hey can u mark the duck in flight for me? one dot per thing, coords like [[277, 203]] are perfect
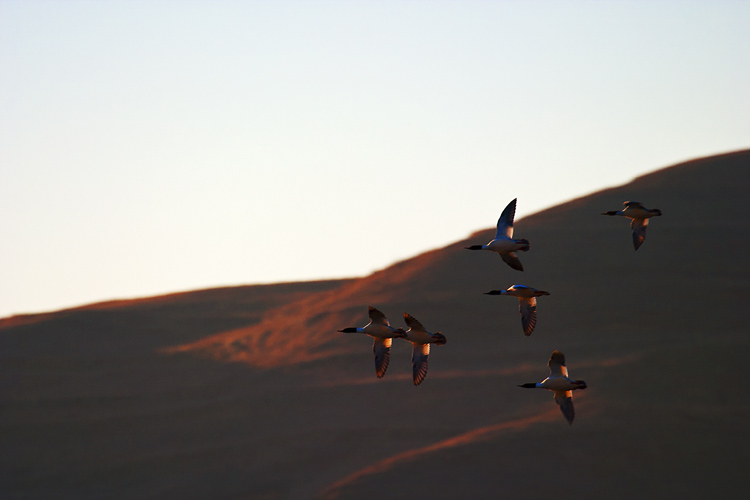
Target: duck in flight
[[638, 215], [381, 330], [526, 303], [560, 384], [420, 340], [504, 244]]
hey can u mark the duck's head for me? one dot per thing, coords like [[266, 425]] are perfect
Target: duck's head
[[439, 338], [580, 384], [496, 292], [655, 211], [529, 385], [351, 329], [473, 247]]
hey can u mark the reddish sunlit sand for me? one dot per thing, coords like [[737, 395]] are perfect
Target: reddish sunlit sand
[[476, 435]]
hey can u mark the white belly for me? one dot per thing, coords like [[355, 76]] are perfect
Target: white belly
[[503, 246], [419, 337], [637, 213], [379, 331], [558, 384]]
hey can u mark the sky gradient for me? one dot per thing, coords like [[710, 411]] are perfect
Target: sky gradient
[[153, 147]]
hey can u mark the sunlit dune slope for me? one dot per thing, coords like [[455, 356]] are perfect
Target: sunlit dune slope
[[179, 316], [251, 393], [598, 283], [306, 329]]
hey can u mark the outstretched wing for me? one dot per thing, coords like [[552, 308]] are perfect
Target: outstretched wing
[[419, 355], [564, 400], [556, 365], [412, 322], [382, 350], [511, 259], [377, 317], [505, 222], [527, 308], [639, 231]]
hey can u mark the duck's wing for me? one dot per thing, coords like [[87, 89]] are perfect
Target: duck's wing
[[505, 222], [512, 260], [527, 308], [382, 350], [413, 323], [419, 355], [639, 231], [377, 317], [557, 366], [564, 400]]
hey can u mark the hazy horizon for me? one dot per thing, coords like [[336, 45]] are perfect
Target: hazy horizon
[[150, 148]]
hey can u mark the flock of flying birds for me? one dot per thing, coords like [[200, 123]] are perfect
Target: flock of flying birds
[[503, 244]]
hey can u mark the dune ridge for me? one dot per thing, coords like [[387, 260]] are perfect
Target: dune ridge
[[250, 392]]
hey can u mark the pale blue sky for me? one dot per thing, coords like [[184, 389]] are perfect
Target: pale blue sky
[[152, 147]]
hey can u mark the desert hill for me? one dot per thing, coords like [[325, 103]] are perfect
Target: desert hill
[[249, 392]]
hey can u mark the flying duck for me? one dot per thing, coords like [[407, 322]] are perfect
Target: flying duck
[[420, 346], [381, 330], [526, 304], [504, 244], [559, 382], [639, 216]]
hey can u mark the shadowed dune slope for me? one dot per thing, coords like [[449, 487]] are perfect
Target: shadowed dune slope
[[250, 393]]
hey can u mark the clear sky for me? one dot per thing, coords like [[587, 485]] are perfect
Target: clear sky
[[148, 147]]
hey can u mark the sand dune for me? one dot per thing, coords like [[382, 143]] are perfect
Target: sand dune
[[249, 392]]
